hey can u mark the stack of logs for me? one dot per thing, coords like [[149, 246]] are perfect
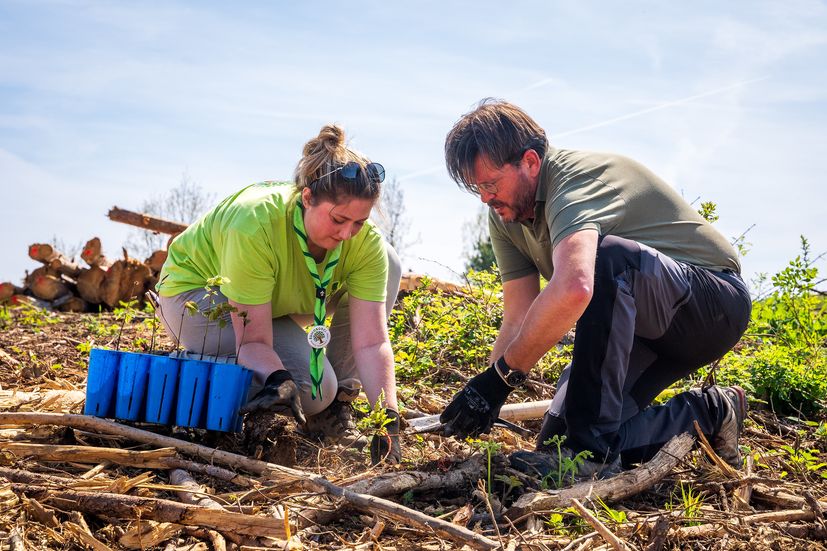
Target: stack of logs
[[63, 285]]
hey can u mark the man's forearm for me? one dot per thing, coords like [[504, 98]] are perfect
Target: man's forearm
[[507, 333]]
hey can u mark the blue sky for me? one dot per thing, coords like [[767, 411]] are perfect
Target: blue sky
[[110, 103]]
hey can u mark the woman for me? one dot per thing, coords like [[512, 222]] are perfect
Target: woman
[[288, 255]]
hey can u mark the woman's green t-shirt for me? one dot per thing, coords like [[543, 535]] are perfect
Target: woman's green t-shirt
[[249, 239]]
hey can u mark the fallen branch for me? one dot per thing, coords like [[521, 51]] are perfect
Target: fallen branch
[[269, 470], [193, 494], [163, 458], [625, 484], [163, 510], [599, 527], [396, 483]]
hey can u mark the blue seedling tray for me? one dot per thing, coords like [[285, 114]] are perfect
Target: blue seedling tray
[[165, 390]]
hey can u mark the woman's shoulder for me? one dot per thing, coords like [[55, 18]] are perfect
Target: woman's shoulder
[[261, 202]]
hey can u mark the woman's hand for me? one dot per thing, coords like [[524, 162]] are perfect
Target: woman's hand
[[279, 395], [385, 447]]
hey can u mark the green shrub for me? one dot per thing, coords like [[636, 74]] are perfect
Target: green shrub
[[782, 357], [431, 330]]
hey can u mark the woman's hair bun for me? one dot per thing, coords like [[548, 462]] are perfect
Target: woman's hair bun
[[331, 139]]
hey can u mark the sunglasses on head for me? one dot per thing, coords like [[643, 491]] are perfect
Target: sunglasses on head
[[351, 170]]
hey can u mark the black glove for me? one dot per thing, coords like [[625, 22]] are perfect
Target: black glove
[[475, 408], [386, 446], [279, 395]]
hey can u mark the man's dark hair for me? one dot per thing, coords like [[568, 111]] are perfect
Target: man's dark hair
[[497, 129]]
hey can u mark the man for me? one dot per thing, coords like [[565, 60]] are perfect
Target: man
[[654, 291]]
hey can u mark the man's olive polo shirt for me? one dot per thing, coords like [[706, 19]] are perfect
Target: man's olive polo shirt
[[614, 195]]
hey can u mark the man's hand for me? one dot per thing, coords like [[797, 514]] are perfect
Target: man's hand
[[386, 446], [475, 408], [279, 395]]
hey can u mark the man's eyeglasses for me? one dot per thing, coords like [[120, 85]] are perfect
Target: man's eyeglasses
[[351, 171], [488, 187]]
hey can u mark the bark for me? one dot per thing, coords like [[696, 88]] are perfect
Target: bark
[[194, 495], [390, 484], [145, 221], [133, 507], [90, 284], [163, 458], [48, 287], [125, 280], [47, 400], [65, 267], [8, 290], [156, 261], [621, 486], [460, 535], [43, 252], [70, 303], [599, 527], [92, 254]]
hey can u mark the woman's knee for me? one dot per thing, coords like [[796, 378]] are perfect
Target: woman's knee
[[314, 406]]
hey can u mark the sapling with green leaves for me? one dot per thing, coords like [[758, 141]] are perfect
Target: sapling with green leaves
[[566, 466], [376, 419], [217, 312], [126, 313], [490, 447]]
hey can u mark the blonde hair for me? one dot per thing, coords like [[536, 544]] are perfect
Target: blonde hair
[[318, 169]]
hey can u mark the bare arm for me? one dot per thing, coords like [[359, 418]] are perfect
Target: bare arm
[[518, 295], [254, 339], [561, 303], [372, 350]]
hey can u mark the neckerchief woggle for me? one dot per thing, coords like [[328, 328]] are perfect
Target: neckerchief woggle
[[319, 335]]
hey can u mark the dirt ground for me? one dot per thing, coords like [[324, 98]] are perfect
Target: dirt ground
[[776, 503]]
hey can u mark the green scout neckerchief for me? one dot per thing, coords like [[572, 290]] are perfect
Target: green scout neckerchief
[[319, 335]]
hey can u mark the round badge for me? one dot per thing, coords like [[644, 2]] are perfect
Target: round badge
[[318, 336]]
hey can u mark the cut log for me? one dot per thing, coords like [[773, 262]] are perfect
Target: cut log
[[92, 254], [48, 287], [43, 252], [145, 221], [8, 290], [64, 266], [90, 284], [70, 303], [156, 261], [125, 280], [42, 271]]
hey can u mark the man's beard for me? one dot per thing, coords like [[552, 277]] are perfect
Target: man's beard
[[522, 207]]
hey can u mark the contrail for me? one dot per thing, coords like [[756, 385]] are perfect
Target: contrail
[[664, 105], [614, 120]]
